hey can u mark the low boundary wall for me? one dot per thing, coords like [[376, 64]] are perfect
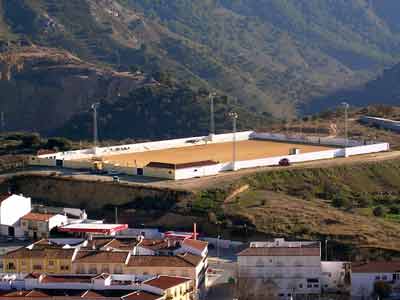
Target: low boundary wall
[[347, 148]]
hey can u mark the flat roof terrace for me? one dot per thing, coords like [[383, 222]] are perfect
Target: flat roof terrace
[[220, 152]]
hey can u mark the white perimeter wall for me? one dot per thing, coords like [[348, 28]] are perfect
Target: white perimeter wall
[[353, 148]]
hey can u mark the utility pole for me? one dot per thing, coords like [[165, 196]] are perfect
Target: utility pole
[[2, 122], [326, 249], [116, 214], [95, 132], [212, 120], [346, 120], [234, 117]]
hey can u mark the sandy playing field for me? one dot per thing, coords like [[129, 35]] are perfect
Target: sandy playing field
[[221, 152]]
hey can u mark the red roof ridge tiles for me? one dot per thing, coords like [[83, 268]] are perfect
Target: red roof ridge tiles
[[37, 217], [165, 282]]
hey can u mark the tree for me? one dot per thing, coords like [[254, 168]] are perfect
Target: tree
[[59, 143], [31, 140], [379, 211], [382, 289]]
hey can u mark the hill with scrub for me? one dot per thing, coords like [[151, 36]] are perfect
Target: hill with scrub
[[269, 57]]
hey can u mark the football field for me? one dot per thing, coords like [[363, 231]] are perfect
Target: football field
[[220, 152]]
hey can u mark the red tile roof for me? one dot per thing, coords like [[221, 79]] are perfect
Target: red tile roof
[[196, 244], [122, 244], [140, 295], [160, 244], [22, 253], [163, 165], [37, 217], [67, 278], [101, 257], [180, 261], [166, 282], [281, 251], [376, 267]]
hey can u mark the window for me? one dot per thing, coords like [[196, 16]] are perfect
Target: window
[[309, 286], [396, 276], [105, 269], [64, 268], [37, 267], [11, 266], [384, 277], [301, 285], [23, 263], [118, 269], [377, 277], [51, 263], [93, 269]]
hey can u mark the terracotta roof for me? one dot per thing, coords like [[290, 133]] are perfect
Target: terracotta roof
[[93, 295], [140, 295], [166, 282], [35, 293], [37, 217], [280, 251], [162, 165], [190, 258], [101, 257], [14, 294], [67, 278], [196, 244], [22, 253], [180, 261], [96, 244], [160, 244], [122, 244], [376, 267]]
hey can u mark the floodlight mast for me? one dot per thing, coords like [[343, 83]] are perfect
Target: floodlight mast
[[234, 117], [346, 122], [95, 129], [212, 113]]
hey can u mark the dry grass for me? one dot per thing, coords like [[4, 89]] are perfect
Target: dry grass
[[279, 214]]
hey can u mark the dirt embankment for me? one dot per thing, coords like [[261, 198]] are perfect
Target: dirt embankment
[[99, 198]]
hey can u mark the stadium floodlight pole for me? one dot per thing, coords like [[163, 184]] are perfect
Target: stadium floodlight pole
[[95, 132], [346, 121], [234, 117], [3, 122], [212, 120]]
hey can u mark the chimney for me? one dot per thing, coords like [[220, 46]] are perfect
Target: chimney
[[194, 231]]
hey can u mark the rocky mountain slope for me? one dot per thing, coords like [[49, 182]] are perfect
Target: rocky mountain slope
[[42, 88], [264, 53]]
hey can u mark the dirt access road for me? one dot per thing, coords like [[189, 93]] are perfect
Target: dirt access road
[[198, 184]]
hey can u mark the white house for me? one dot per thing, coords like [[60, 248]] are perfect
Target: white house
[[364, 276], [12, 208], [335, 276], [280, 269]]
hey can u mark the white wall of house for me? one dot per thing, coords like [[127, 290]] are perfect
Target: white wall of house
[[57, 220], [333, 275], [13, 208], [289, 274]]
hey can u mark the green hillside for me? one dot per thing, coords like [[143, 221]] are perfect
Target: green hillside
[[269, 57]]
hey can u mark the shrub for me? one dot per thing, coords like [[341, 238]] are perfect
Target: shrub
[[394, 209], [382, 289], [379, 211], [340, 201]]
